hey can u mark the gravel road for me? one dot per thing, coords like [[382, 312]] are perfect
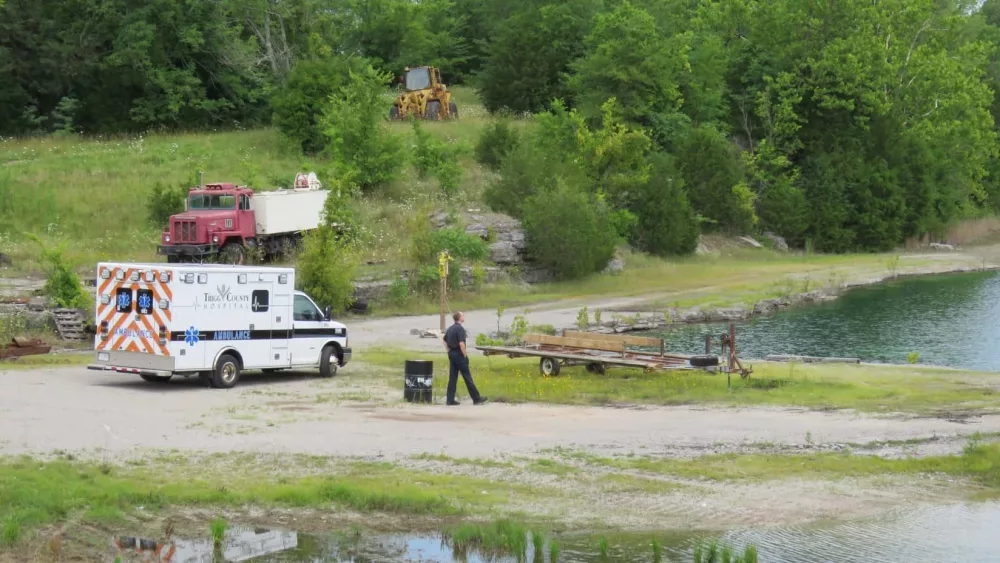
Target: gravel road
[[75, 409]]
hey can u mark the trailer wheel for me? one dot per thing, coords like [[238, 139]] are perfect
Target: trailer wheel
[[328, 362], [155, 378], [227, 372], [596, 368], [549, 367]]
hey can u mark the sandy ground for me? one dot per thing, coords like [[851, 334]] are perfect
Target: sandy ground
[[76, 409]]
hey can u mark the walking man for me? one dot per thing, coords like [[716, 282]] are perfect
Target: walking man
[[458, 361]]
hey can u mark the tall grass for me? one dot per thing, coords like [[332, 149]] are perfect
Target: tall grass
[[496, 539], [714, 553], [217, 530]]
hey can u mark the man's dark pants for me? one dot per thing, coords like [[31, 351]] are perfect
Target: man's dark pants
[[459, 363]]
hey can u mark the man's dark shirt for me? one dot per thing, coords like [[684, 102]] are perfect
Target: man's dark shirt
[[454, 335]]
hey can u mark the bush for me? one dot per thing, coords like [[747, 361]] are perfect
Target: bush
[[711, 166], [434, 157], [62, 284], [164, 202], [298, 105], [399, 291], [496, 142], [568, 232], [326, 269], [354, 123], [427, 246], [666, 224]]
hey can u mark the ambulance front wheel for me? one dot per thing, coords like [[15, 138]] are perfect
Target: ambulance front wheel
[[227, 372], [328, 362]]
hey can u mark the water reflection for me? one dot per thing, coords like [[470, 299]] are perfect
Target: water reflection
[[927, 534], [951, 320]]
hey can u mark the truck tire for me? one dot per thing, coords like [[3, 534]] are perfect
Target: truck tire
[[328, 362], [155, 378], [704, 361], [227, 372], [452, 110], [233, 253], [433, 111]]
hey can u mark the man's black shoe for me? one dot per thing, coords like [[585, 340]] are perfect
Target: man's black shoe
[[453, 403], [481, 400]]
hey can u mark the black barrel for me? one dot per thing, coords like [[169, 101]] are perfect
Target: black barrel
[[418, 381]]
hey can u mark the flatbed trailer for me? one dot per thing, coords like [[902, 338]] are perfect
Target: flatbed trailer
[[599, 352]]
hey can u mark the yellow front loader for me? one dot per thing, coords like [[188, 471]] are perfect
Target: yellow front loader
[[425, 97]]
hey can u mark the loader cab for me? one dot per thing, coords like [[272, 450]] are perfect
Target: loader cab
[[422, 78]]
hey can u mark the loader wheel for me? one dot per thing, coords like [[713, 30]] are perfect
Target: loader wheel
[[233, 253], [549, 367], [227, 372], [452, 110], [394, 113], [433, 111]]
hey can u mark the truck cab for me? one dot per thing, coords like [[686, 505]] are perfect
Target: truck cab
[[218, 218]]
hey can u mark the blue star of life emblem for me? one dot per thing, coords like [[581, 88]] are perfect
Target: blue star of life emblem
[[191, 336], [145, 302], [124, 300]]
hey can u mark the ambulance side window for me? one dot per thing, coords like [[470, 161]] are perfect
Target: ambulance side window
[[305, 310]]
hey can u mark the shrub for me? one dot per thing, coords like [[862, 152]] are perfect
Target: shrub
[[62, 284], [666, 224], [298, 105], [568, 232], [496, 142], [12, 325], [399, 291], [326, 269], [164, 202], [428, 245], [434, 157], [354, 123]]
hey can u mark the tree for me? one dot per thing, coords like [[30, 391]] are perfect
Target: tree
[[568, 231], [666, 223], [360, 144], [627, 58], [531, 54], [300, 102], [711, 167]]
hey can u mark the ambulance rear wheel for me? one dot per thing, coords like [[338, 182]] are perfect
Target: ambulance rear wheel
[[155, 378], [328, 362], [227, 372]]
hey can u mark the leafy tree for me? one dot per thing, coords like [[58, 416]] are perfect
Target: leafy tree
[[531, 54], [359, 141], [629, 59], [299, 104], [666, 224], [711, 167], [496, 141], [568, 231], [326, 268]]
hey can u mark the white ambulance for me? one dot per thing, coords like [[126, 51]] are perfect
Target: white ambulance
[[210, 321]]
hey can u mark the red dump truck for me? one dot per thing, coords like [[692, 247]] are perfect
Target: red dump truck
[[222, 221]]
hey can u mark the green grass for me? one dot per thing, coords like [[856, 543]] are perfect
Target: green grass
[[910, 389], [979, 461], [36, 493], [47, 360], [217, 530], [494, 540]]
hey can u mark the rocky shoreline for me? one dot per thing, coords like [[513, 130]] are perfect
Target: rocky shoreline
[[624, 321]]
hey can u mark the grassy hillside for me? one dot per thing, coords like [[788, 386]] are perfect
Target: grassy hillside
[[92, 193]]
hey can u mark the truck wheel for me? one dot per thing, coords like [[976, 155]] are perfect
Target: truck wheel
[[434, 111], [233, 253], [549, 367], [328, 362], [173, 259], [227, 372], [452, 110], [155, 378]]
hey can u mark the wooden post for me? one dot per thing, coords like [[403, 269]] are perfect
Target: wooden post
[[708, 344], [443, 274]]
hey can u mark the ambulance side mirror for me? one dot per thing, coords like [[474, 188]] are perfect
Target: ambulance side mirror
[[327, 313]]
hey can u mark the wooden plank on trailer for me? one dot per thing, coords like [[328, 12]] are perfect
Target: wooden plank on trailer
[[652, 363], [643, 341], [603, 345]]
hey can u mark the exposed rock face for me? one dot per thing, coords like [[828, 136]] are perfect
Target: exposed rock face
[[749, 241], [779, 241], [942, 246], [505, 253]]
